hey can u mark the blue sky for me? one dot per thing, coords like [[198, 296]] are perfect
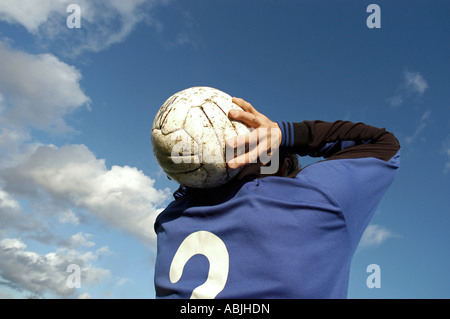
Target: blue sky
[[78, 180]]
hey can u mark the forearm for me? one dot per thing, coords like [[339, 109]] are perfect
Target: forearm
[[336, 140]]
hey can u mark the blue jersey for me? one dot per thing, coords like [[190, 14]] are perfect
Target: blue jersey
[[275, 237]]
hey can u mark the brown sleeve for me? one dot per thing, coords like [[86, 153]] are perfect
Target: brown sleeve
[[330, 139]]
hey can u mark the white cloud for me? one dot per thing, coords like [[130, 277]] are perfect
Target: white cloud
[[396, 100], [413, 84], [375, 235], [42, 185], [85, 295], [12, 243], [13, 146], [424, 121], [103, 23], [38, 91], [81, 240], [30, 14], [123, 197], [68, 217], [28, 270], [8, 203], [123, 281], [14, 219]]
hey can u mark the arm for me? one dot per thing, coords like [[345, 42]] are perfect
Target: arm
[[361, 164], [332, 140], [338, 140]]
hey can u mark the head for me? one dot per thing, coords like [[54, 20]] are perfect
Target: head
[[289, 163], [288, 166]]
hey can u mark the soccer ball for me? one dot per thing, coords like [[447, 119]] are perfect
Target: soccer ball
[[189, 133]]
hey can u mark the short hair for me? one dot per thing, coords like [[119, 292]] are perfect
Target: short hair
[[286, 153]]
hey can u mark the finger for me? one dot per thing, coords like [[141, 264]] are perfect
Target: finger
[[248, 118], [251, 148], [236, 141], [241, 141], [247, 158], [233, 113], [246, 106]]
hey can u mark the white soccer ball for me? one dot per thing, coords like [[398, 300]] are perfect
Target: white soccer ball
[[189, 133]]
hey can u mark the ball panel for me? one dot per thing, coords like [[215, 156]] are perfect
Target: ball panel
[[199, 126], [175, 116], [189, 133], [163, 112], [195, 179], [175, 152], [218, 120]]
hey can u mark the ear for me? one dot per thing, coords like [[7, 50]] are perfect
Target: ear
[[287, 165]]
